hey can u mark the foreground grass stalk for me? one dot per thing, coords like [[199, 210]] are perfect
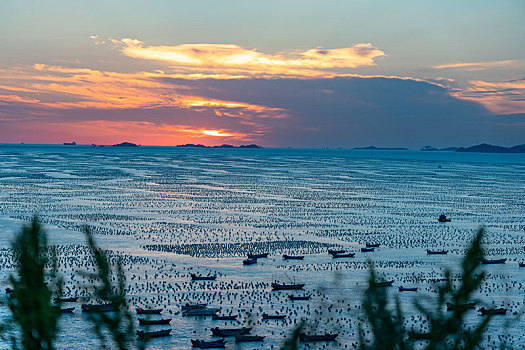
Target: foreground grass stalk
[[448, 330], [30, 303], [119, 323]]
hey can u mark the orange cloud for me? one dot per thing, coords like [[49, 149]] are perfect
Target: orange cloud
[[502, 85], [15, 98], [234, 60], [504, 97], [65, 88]]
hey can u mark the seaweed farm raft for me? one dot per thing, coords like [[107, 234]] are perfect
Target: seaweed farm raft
[[184, 220]]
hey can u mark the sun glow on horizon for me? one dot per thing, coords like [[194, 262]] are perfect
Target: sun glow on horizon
[[217, 133]]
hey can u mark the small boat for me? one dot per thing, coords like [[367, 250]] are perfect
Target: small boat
[[332, 252], [230, 332], [194, 277], [144, 322], [193, 306], [443, 218], [493, 261], [418, 336], [97, 307], [383, 284], [201, 344], [297, 297], [343, 255], [200, 312], [451, 307], [66, 310], [284, 286], [257, 256], [249, 261], [437, 252], [293, 257], [499, 311], [247, 338], [154, 334], [318, 337], [141, 311], [521, 264], [273, 317], [407, 289], [367, 249], [66, 300], [224, 317], [372, 245]]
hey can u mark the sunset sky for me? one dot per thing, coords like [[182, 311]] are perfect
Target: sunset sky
[[277, 73]]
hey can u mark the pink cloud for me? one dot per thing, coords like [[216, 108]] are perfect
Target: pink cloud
[[504, 97], [480, 65]]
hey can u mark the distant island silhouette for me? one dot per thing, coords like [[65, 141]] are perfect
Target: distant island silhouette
[[486, 148], [481, 148], [374, 148], [125, 144], [191, 145]]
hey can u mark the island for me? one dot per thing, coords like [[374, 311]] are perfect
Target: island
[[125, 144], [192, 145], [374, 148], [487, 148]]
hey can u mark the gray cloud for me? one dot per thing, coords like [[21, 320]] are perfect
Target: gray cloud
[[360, 111]]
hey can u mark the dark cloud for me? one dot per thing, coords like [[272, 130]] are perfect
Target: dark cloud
[[360, 111], [335, 112]]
